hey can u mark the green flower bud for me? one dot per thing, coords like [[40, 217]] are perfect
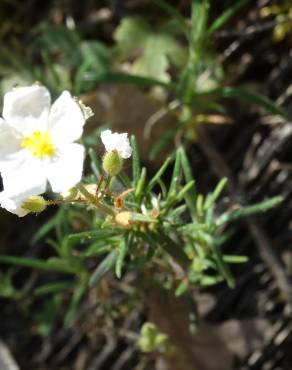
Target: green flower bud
[[35, 204], [151, 339], [160, 340], [112, 163]]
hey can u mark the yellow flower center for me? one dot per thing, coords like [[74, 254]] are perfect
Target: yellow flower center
[[40, 144]]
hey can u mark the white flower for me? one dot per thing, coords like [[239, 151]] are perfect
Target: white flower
[[37, 142], [13, 205], [118, 142]]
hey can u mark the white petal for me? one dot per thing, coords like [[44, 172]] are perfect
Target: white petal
[[13, 161], [66, 119], [115, 141], [27, 108], [12, 205], [123, 146], [66, 170], [24, 180], [10, 140], [106, 138]]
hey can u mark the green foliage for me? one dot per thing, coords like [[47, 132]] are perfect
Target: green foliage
[[47, 315], [156, 50], [7, 289], [150, 225], [66, 61], [70, 62], [246, 96], [199, 71], [151, 339], [228, 14], [138, 223]]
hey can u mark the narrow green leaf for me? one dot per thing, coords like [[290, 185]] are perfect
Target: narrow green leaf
[[249, 210], [99, 247], [186, 165], [186, 82], [235, 259], [90, 235], [122, 250], [103, 267], [140, 185], [62, 223], [133, 80], [225, 16], [74, 305], [175, 175], [209, 214], [199, 19], [53, 288], [136, 167], [210, 280], [221, 265], [95, 251], [223, 268], [43, 230], [211, 199], [163, 188], [190, 197], [158, 174], [172, 12], [162, 143], [177, 212], [227, 235], [71, 264], [187, 187], [246, 96], [178, 197], [142, 218], [55, 245], [200, 204], [35, 263], [181, 289], [194, 227]]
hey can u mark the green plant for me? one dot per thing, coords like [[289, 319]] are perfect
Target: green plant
[[168, 229], [188, 71], [65, 61], [159, 226]]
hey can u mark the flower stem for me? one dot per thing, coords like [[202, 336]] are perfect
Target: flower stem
[[94, 201]]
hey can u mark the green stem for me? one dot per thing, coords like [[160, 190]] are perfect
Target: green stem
[[94, 201]]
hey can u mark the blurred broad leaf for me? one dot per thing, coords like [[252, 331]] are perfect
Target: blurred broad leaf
[[154, 52]]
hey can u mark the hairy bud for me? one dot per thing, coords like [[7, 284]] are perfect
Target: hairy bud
[[35, 204], [112, 163]]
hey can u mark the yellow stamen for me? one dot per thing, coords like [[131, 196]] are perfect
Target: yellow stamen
[[40, 144]]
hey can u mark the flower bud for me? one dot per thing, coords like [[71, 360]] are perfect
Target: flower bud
[[151, 339], [112, 163], [124, 219], [35, 204]]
